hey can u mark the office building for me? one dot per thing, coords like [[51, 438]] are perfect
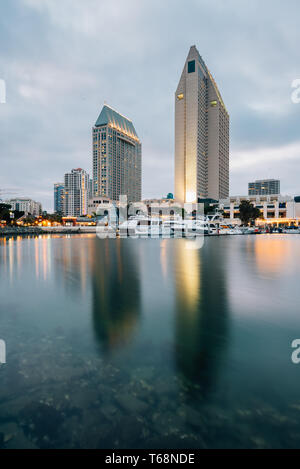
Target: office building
[[201, 135], [264, 187], [28, 206]]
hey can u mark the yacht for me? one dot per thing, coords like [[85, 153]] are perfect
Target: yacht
[[141, 226], [190, 228]]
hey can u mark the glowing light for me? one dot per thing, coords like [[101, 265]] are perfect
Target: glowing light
[[191, 197]]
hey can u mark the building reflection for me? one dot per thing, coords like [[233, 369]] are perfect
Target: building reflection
[[116, 292], [201, 313], [73, 263]]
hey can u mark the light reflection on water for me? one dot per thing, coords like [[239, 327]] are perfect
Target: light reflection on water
[[144, 343]]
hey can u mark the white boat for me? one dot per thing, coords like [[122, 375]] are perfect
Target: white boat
[[155, 227], [190, 228], [291, 231], [141, 226]]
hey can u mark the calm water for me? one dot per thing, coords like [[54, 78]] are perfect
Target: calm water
[[148, 344]]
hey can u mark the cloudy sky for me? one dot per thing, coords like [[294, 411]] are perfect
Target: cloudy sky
[[62, 59]]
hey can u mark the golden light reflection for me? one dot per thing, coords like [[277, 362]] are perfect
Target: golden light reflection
[[164, 258], [187, 262], [273, 254]]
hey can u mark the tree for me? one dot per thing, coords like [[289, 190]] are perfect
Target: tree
[[248, 213], [5, 214]]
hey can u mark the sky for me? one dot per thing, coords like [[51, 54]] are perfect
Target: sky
[[62, 59]]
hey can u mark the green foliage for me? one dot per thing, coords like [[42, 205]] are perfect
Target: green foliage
[[248, 213]]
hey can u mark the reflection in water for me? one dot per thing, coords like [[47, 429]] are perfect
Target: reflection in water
[[116, 292], [273, 254], [202, 313], [184, 326], [75, 258]]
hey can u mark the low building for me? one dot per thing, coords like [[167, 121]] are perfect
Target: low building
[[275, 209], [28, 206], [163, 206], [97, 202]]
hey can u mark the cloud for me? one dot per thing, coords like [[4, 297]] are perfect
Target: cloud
[[248, 158], [62, 59]]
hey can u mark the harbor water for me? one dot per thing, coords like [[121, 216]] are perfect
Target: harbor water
[[147, 343]]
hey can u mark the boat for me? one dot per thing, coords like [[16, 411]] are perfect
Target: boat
[[141, 226]]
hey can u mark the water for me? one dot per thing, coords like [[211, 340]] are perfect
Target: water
[[148, 344]]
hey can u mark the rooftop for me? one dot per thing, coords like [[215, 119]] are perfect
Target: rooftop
[[114, 119]]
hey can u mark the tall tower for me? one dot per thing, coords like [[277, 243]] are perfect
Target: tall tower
[[117, 157], [201, 135]]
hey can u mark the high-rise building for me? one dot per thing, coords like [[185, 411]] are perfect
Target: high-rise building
[[27, 206], [117, 157], [76, 197], [264, 187], [201, 135], [59, 191]]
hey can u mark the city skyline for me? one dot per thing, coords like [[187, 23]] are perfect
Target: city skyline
[[55, 93]]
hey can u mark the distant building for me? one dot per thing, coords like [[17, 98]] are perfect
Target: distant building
[[59, 193], [201, 135], [117, 157], [76, 195], [264, 187], [27, 206]]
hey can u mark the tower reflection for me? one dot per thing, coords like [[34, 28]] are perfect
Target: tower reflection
[[201, 313], [116, 293]]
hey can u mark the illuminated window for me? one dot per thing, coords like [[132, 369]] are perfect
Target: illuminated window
[[180, 97], [214, 103]]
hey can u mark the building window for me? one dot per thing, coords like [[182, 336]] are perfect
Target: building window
[[191, 66]]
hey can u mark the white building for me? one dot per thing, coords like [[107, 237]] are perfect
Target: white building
[[76, 197], [97, 202], [27, 206], [275, 209], [201, 135]]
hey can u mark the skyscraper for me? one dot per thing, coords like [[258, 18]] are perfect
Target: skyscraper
[[201, 135], [117, 157], [76, 193], [264, 187], [59, 190]]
